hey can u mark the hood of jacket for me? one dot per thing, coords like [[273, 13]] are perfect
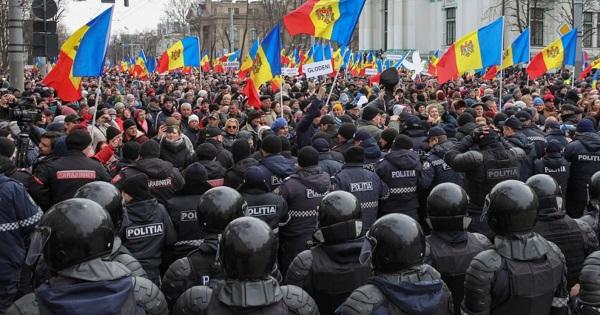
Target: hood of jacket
[[441, 149], [415, 132], [590, 140], [7, 167], [242, 165], [173, 146], [519, 140], [279, 165], [553, 160], [422, 297], [214, 169], [372, 150], [314, 178], [141, 211], [403, 159], [467, 128]]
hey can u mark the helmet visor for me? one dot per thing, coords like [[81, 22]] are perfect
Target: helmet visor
[[39, 238]]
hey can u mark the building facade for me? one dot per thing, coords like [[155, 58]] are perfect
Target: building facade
[[428, 25]]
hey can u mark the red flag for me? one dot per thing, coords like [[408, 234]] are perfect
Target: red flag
[[491, 72], [252, 93]]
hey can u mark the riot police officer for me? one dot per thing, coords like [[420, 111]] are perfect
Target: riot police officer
[[524, 273], [365, 185], [330, 271], [397, 249], [590, 215], [248, 253], [216, 208], [438, 143], [450, 246], [589, 294], [109, 197], [485, 165], [575, 238], [73, 237]]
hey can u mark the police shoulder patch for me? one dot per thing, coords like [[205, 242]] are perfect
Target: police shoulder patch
[[426, 165]]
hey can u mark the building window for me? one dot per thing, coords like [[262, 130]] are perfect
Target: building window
[[236, 11], [537, 26], [587, 29], [253, 35], [450, 26]]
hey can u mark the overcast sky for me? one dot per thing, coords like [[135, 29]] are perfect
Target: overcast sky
[[140, 15]]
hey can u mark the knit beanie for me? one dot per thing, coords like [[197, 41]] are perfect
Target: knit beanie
[[271, 144], [136, 186], [308, 156], [195, 174], [131, 150], [78, 139], [112, 132], [354, 155], [7, 147], [206, 152], [240, 149], [150, 149], [389, 135], [128, 123], [402, 142]]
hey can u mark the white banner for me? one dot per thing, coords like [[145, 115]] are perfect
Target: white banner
[[318, 68], [231, 64], [371, 71], [394, 57], [290, 72]]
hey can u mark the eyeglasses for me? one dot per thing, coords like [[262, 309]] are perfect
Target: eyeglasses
[[232, 127]]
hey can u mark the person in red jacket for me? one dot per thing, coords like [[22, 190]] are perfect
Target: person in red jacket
[[108, 153]]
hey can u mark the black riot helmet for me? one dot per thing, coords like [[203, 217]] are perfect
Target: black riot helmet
[[548, 193], [71, 232], [106, 195], [218, 206], [339, 217], [447, 208], [511, 207], [397, 242], [248, 249], [594, 187], [588, 279]]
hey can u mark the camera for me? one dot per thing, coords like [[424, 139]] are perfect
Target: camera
[[24, 112]]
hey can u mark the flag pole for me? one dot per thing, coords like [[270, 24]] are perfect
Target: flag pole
[[98, 93], [501, 67]]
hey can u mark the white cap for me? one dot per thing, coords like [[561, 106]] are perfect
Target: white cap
[[362, 101], [193, 117]]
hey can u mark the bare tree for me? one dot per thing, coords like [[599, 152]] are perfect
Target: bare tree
[[177, 10]]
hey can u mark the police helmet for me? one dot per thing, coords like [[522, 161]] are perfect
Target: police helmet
[[447, 208], [548, 192], [339, 217], [594, 187], [588, 279], [248, 249], [218, 206], [397, 242], [511, 207], [71, 232], [106, 195]]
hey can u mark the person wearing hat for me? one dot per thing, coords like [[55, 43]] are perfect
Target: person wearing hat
[[241, 150], [214, 136], [132, 133], [570, 114], [148, 229], [280, 127], [329, 161], [182, 210], [370, 121], [59, 178], [387, 138], [415, 130], [438, 143], [9, 169], [327, 128], [206, 154], [533, 133], [554, 164], [309, 124], [273, 162], [302, 191], [108, 153], [175, 147], [401, 170], [466, 125], [71, 121], [103, 121], [512, 132], [372, 152], [345, 137], [163, 179], [554, 132], [166, 111], [262, 203], [584, 155], [352, 111], [265, 106], [364, 184], [479, 109]]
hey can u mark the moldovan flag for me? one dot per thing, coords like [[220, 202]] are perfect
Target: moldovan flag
[[518, 52], [205, 63], [560, 52], [477, 50], [248, 60], [594, 65], [184, 53], [329, 19], [266, 65], [81, 55], [140, 70], [433, 61]]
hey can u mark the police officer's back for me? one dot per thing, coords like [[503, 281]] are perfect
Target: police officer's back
[[262, 203], [450, 246], [439, 144], [60, 176], [216, 208], [364, 184], [248, 253], [109, 197], [524, 273], [592, 209], [163, 178], [575, 238], [402, 284], [303, 192], [330, 271], [276, 165], [182, 209], [584, 155], [555, 165], [147, 227], [485, 165], [73, 237], [401, 170]]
